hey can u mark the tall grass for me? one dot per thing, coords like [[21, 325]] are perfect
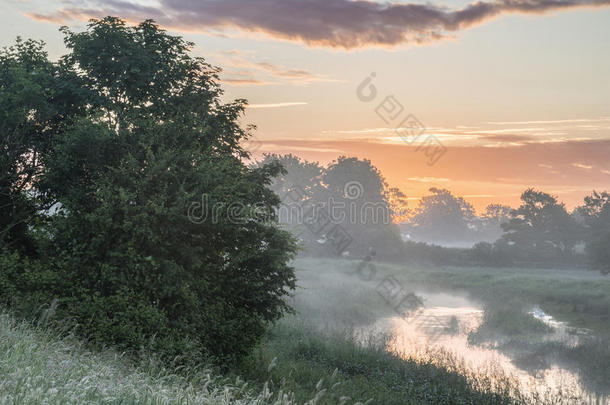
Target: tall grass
[[313, 357], [39, 367], [354, 369]]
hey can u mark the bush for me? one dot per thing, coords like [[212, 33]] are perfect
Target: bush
[[161, 236], [494, 255]]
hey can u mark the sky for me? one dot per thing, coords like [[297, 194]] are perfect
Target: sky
[[485, 99]]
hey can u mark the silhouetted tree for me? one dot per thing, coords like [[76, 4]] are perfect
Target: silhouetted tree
[[541, 227], [596, 214], [360, 187], [443, 217], [350, 197], [490, 222], [399, 205], [297, 173]]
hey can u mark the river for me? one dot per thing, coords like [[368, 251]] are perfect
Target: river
[[441, 327]]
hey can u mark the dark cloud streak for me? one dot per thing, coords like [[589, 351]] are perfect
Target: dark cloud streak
[[330, 23]]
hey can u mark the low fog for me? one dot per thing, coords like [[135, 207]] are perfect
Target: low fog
[[511, 296], [149, 255]]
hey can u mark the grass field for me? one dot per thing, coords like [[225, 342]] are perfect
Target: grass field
[[311, 357]]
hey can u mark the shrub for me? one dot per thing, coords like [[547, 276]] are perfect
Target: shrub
[[162, 235]]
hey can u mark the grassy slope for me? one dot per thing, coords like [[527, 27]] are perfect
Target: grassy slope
[[38, 367]]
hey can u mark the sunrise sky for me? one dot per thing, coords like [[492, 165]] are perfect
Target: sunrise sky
[[517, 91]]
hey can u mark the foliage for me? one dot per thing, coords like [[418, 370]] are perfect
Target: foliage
[[38, 100], [541, 227], [349, 192], [399, 205], [298, 173], [157, 236], [509, 320], [40, 366], [596, 213], [490, 222], [442, 217], [359, 186], [496, 254]]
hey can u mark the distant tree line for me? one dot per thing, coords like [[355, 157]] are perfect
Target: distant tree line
[[444, 228], [445, 219], [540, 230]]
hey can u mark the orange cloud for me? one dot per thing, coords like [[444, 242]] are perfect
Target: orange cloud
[[487, 175], [244, 82]]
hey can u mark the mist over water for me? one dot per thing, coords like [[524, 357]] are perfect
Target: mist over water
[[445, 330], [161, 242]]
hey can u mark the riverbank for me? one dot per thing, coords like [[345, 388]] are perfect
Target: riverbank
[[339, 298], [327, 352], [39, 366]]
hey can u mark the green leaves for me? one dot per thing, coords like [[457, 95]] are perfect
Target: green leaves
[[150, 139]]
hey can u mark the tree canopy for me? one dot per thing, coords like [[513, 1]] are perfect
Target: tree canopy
[[541, 226], [348, 199], [596, 213], [441, 216], [156, 234]]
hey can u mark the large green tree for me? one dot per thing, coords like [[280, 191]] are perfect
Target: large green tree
[[358, 198], [344, 208], [38, 100], [164, 235]]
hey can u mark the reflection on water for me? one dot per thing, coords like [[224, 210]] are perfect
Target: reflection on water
[[561, 330], [443, 324]]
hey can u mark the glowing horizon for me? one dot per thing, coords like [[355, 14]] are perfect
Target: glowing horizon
[[517, 93]]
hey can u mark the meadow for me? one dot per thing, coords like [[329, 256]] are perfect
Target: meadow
[[318, 355]]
